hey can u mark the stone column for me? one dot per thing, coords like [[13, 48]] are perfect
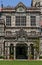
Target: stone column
[[2, 49], [34, 53], [14, 52], [28, 51], [8, 52], [8, 46]]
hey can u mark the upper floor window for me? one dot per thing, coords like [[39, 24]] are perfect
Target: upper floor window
[[8, 20], [20, 20], [33, 20]]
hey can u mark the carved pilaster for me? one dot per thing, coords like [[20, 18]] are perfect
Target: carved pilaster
[[14, 52]]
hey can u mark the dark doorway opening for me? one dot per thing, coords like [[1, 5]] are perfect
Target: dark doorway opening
[[21, 51]]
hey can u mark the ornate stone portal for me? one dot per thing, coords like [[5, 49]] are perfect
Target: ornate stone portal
[[19, 48]]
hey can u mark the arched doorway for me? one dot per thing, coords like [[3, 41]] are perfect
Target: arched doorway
[[21, 51], [32, 51], [11, 51]]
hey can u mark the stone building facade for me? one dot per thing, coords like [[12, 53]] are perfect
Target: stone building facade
[[21, 32]]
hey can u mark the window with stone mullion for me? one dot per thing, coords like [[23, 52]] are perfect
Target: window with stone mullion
[[8, 20], [33, 21], [17, 20], [20, 20], [23, 20]]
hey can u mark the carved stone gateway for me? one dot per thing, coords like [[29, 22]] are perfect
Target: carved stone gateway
[[22, 43]]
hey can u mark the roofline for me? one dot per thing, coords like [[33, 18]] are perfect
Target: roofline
[[13, 9]]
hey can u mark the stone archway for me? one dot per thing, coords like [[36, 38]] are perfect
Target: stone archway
[[21, 51]]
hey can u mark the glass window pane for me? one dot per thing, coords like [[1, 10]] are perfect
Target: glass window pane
[[33, 20], [8, 20], [20, 20]]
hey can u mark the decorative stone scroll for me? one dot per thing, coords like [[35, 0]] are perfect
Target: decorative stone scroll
[[21, 35]]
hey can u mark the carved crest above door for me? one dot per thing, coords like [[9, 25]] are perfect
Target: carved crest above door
[[21, 35]]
